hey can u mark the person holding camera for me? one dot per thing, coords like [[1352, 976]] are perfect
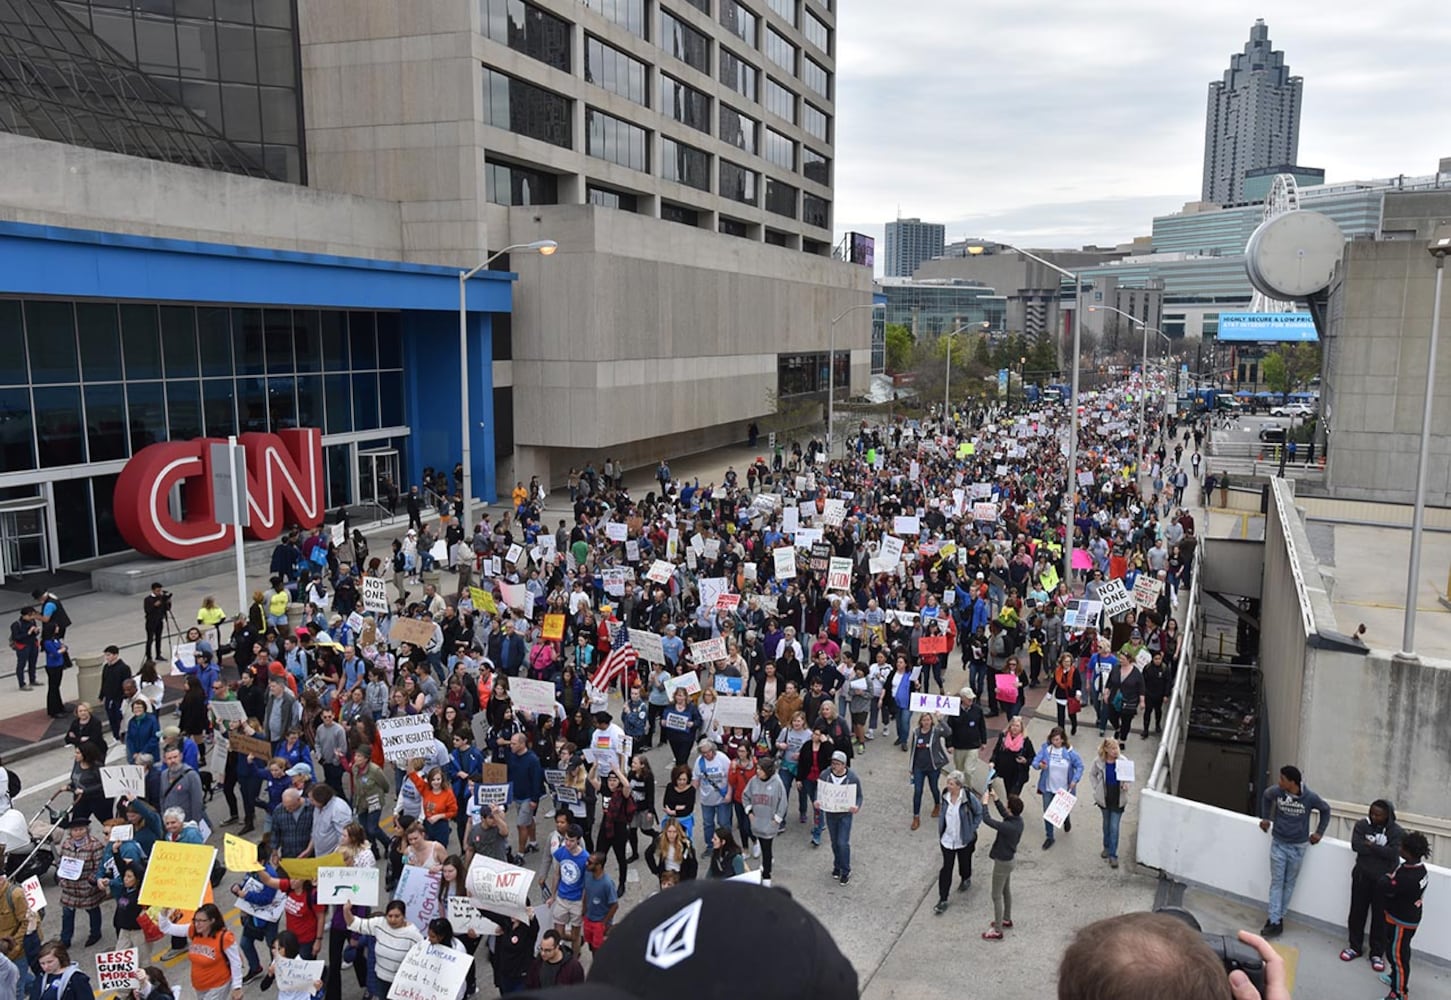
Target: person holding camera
[[155, 606]]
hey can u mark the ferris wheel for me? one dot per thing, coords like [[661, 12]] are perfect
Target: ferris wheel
[[1284, 198]]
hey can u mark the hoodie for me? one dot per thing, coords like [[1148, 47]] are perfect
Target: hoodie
[[1377, 848], [1290, 813]]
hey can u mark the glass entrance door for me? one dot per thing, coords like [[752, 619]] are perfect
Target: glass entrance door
[[23, 546], [377, 468]]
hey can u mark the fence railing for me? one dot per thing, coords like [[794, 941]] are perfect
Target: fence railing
[[1162, 776]]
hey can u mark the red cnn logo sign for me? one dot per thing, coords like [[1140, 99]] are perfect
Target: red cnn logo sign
[[284, 486]]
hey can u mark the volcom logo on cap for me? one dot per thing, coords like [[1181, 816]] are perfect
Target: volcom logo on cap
[[673, 941]]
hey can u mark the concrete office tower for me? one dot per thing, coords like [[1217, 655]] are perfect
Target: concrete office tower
[[1252, 118], [909, 243]]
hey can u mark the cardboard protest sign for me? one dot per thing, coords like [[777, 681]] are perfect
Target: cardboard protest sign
[[533, 696], [785, 562], [375, 595], [937, 704], [1115, 597], [689, 680], [178, 875], [1146, 591], [498, 886], [358, 886], [495, 774], [709, 651], [838, 574], [243, 744], [406, 737], [118, 970], [735, 711], [835, 798], [553, 628], [123, 779], [412, 631], [430, 972], [239, 855]]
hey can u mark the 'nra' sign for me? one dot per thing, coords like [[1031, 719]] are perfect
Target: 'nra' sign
[[284, 486]]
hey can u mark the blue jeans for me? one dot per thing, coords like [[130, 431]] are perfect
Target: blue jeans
[[977, 677], [68, 923], [788, 780], [904, 725], [918, 777], [718, 815], [1285, 861], [1111, 820], [1048, 828], [818, 818], [249, 948], [437, 831], [839, 827]]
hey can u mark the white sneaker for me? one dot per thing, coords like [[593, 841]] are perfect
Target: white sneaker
[[871, 735], [766, 882], [549, 814], [755, 848]]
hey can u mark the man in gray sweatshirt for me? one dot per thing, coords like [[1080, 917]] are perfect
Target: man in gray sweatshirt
[[1285, 814], [765, 802]]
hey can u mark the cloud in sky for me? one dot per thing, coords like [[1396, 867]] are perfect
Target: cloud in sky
[[1063, 122]]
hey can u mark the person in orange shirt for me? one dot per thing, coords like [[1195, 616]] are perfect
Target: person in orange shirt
[[213, 953], [440, 806]]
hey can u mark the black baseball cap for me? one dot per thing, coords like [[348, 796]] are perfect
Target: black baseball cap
[[665, 948]]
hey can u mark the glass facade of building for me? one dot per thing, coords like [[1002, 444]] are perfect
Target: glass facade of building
[[805, 374], [931, 309], [205, 83]]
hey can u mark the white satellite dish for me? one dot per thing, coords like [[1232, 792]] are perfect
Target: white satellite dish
[[1292, 256]]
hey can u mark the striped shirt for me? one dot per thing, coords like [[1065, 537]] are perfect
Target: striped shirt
[[391, 943]]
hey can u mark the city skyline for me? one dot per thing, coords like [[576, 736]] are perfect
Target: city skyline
[[1365, 115]]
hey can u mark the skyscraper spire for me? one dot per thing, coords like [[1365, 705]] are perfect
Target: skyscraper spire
[[1252, 118]]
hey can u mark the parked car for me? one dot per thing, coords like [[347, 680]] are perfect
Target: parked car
[[1272, 434], [1292, 410]]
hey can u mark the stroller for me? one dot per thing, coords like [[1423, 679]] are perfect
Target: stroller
[[30, 845]]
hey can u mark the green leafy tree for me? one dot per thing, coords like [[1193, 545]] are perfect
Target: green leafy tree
[[1275, 371], [899, 348]]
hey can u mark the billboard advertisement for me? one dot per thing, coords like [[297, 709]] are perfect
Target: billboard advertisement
[[1267, 327], [861, 249]]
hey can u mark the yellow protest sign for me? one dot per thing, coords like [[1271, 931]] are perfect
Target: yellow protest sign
[[240, 855], [482, 600], [306, 868], [553, 627], [1050, 579], [178, 875]]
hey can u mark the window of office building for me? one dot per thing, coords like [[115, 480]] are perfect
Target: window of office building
[[780, 198], [815, 167], [786, 8], [671, 212], [684, 103], [701, 5], [815, 122], [780, 150], [815, 76], [733, 227], [610, 198], [737, 183], [217, 90], [527, 29], [617, 140], [780, 51], [739, 20], [508, 184], [684, 42], [607, 67], [799, 374], [738, 129], [780, 101], [815, 211], [628, 14], [777, 238], [685, 164], [739, 75], [525, 109], [816, 32]]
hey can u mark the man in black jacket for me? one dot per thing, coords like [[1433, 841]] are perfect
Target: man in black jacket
[[967, 732], [154, 607], [1376, 841], [114, 672]]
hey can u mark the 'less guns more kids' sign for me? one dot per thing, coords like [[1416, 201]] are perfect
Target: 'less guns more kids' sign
[[284, 485]]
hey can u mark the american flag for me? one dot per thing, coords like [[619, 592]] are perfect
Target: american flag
[[621, 658]]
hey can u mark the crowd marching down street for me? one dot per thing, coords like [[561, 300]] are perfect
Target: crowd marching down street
[[427, 793]]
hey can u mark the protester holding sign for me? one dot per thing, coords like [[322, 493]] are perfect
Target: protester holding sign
[[212, 951], [393, 937], [1062, 769]]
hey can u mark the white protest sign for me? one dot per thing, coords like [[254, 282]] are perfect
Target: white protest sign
[[417, 889], [838, 574], [914, 470], [940, 704], [430, 972], [712, 548], [834, 513], [1060, 807], [790, 520], [1115, 597], [227, 710], [406, 737], [1123, 768], [271, 913], [985, 511], [709, 650], [466, 917], [533, 696], [70, 869], [711, 589], [748, 570], [892, 547], [338, 533], [358, 886], [355, 623], [615, 578], [296, 975], [498, 886], [660, 571], [1146, 591], [123, 779], [785, 563], [880, 564], [689, 680], [906, 524], [632, 551], [616, 531], [34, 894], [1085, 479], [807, 537], [121, 832], [118, 970], [1143, 659], [183, 653], [648, 645], [375, 595], [516, 595], [834, 798], [733, 710]]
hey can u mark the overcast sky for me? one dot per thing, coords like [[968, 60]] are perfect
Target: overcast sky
[[1064, 122]]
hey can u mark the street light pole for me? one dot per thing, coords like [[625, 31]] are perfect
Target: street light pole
[[831, 369], [1439, 249], [1143, 372], [542, 247]]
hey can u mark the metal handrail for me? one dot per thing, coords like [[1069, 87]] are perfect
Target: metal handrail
[[1176, 716]]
